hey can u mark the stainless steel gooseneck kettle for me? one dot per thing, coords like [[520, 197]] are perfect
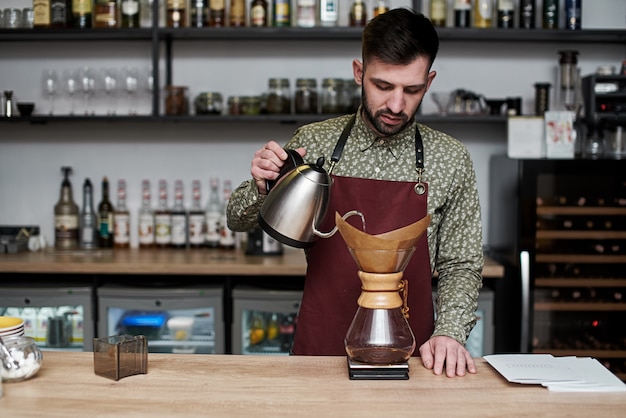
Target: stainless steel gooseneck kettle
[[297, 202]]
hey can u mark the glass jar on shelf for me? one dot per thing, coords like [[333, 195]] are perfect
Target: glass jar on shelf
[[305, 100], [176, 100], [209, 103], [332, 92], [279, 96]]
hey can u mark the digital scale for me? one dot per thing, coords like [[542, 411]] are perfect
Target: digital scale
[[362, 371]]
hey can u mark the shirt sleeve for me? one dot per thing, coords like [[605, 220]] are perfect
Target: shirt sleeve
[[459, 255], [244, 206]]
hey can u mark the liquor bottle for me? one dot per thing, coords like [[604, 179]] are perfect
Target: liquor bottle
[[506, 11], [438, 12], [41, 13], [105, 14], [129, 9], [146, 13], [305, 13], [81, 13], [527, 14], [213, 215], [146, 217], [381, 6], [328, 12], [217, 13], [282, 13], [60, 13], [179, 217], [121, 218], [550, 17], [88, 236], [198, 13], [573, 14], [196, 217], [176, 13], [163, 219], [286, 331], [483, 13], [358, 13], [237, 13], [66, 216], [259, 14], [105, 217], [462, 13], [227, 236]]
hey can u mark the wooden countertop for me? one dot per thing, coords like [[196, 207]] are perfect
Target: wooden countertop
[[179, 385], [170, 261]]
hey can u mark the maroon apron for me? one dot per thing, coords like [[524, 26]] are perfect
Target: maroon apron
[[332, 286]]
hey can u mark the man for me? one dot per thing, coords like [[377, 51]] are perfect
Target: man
[[395, 172]]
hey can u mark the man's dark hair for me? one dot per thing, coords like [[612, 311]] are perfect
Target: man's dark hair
[[399, 36]]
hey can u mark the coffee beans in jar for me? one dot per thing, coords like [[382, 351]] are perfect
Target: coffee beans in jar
[[279, 96], [305, 97], [209, 103], [251, 105], [176, 101], [235, 105], [332, 95]]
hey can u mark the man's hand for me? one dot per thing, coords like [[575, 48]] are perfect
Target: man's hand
[[267, 163], [442, 350]]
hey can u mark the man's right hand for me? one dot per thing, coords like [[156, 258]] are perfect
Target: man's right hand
[[267, 163]]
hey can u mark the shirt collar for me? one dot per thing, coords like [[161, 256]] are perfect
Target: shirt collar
[[368, 140]]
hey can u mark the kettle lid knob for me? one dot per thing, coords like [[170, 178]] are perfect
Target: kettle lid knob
[[320, 162]]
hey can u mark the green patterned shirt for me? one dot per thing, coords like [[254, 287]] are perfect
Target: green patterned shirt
[[455, 231]]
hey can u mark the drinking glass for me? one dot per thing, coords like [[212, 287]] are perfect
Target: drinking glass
[[50, 86], [87, 84], [109, 82], [71, 83], [12, 18], [147, 86], [131, 85]]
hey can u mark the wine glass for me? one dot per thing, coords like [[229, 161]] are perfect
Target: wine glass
[[147, 85], [131, 85], [87, 84], [50, 86], [109, 82], [71, 82], [442, 99]]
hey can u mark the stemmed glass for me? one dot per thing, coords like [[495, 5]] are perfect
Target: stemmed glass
[[87, 86], [148, 85], [50, 86], [131, 85], [71, 82], [110, 86]]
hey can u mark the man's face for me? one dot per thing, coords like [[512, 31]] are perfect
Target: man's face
[[392, 93]]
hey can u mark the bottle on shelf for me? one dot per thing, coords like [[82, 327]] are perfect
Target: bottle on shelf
[[483, 13], [282, 13], [550, 16], [146, 9], [381, 6], [179, 217], [88, 236], [81, 13], [105, 217], [358, 13], [305, 13], [176, 13], [438, 12], [129, 11], [60, 13], [593, 146], [328, 13], [237, 13], [198, 13], [527, 12], [162, 219], [259, 14], [573, 14], [105, 14], [217, 13], [506, 14], [66, 216], [146, 217], [227, 236], [41, 13], [121, 218], [462, 13], [213, 215], [197, 222]]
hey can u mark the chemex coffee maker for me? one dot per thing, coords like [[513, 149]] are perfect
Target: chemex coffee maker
[[379, 341]]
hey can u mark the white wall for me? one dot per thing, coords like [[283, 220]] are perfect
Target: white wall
[[31, 155]]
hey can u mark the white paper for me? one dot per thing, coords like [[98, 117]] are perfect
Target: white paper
[[558, 374]]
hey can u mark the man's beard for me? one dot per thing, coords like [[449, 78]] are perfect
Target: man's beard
[[382, 128]]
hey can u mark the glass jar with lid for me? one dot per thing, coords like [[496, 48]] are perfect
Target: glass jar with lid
[[176, 101], [251, 105], [305, 97], [209, 103], [332, 95], [279, 96]]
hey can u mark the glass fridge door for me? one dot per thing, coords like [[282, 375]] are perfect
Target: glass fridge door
[[174, 320], [264, 320]]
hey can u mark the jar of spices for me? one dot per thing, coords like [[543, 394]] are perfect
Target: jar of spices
[[235, 105], [209, 103], [305, 100], [279, 96], [332, 93], [251, 105], [176, 101]]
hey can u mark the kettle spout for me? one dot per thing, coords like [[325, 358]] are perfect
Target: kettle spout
[[332, 231]]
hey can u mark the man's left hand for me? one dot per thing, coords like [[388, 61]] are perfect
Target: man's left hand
[[440, 351]]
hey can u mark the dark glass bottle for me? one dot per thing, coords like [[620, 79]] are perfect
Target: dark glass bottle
[[282, 13], [129, 10], [550, 17], [105, 217], [358, 13], [258, 13], [462, 13], [105, 14], [217, 13], [81, 13], [527, 11], [506, 11], [573, 14], [59, 13], [198, 13], [66, 216], [88, 230]]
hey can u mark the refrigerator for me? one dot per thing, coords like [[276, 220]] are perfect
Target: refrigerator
[[58, 316], [560, 226], [182, 319], [264, 320]]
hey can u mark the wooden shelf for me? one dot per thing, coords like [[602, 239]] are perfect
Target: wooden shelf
[[577, 282], [552, 234], [582, 210], [580, 258], [580, 306]]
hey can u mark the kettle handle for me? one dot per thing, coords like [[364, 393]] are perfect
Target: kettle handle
[[293, 160]]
